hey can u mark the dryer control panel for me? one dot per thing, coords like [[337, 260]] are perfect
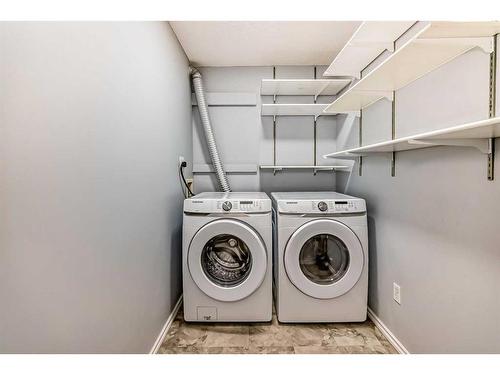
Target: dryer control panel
[[344, 206]]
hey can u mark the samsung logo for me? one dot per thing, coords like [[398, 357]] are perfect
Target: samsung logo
[[291, 202], [197, 201]]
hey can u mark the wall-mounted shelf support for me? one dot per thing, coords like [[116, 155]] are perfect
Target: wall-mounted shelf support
[[393, 164], [393, 134], [314, 168], [484, 145], [360, 154], [389, 95], [380, 45], [485, 43], [274, 125], [361, 100], [492, 105], [357, 154], [491, 160], [360, 159], [274, 141], [290, 109], [315, 127], [315, 87]]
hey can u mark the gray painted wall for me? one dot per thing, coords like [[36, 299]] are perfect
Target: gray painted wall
[[433, 227], [244, 137], [93, 117]]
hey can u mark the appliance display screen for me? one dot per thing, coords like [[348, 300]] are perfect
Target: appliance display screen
[[246, 202]]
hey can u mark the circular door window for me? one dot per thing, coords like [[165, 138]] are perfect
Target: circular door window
[[324, 258], [227, 260]]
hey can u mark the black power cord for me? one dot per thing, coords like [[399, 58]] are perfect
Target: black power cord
[[181, 169]]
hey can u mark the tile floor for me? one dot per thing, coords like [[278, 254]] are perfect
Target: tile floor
[[274, 338]]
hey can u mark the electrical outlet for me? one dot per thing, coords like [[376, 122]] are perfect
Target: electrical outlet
[[396, 293], [181, 160]]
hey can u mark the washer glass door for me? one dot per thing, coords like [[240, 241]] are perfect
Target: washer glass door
[[227, 259], [324, 258]]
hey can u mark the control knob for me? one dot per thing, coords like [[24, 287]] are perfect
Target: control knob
[[322, 206], [226, 206]]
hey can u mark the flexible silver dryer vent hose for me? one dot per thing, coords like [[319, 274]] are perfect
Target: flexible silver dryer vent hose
[[209, 134]]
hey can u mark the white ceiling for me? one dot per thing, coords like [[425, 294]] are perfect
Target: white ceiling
[[262, 43]]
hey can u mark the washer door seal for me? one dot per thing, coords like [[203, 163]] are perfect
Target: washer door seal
[[350, 266], [205, 277]]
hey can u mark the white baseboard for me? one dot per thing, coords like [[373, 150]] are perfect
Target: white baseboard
[[387, 333], [166, 327]]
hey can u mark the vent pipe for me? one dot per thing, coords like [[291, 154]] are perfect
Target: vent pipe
[[209, 134]]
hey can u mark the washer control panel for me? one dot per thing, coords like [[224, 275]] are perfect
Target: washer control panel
[[194, 205]]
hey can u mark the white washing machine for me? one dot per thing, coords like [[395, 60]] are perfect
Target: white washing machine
[[320, 257], [227, 257]]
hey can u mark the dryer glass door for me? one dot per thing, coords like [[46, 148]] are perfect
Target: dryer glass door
[[227, 260], [324, 258]]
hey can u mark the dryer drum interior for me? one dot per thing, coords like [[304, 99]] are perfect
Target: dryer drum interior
[[324, 259]]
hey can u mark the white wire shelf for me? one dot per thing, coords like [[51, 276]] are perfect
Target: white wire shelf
[[274, 109], [314, 87], [314, 168], [433, 46], [368, 41], [474, 134]]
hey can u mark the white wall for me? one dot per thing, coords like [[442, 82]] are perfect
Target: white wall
[[244, 137], [93, 117], [434, 226]]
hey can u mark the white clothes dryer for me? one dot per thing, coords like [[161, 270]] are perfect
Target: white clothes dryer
[[320, 257]]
